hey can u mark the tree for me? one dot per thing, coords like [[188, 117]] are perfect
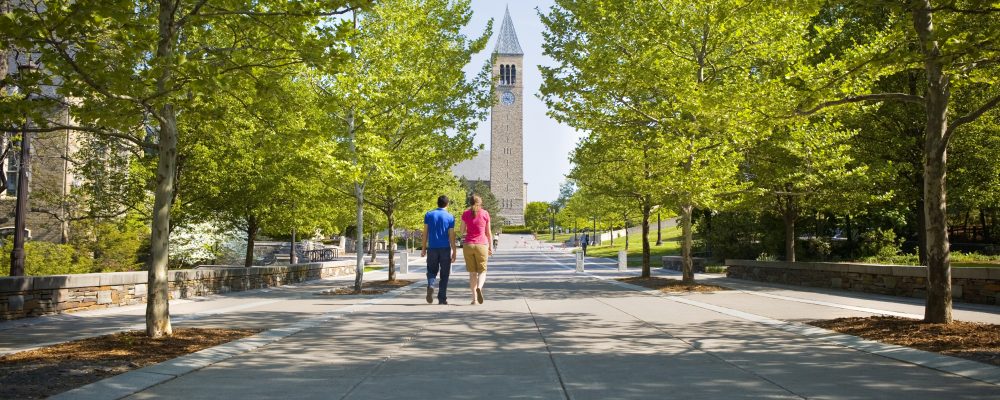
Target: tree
[[804, 166], [536, 215], [256, 163], [126, 77], [435, 126], [671, 82], [401, 87], [948, 44]]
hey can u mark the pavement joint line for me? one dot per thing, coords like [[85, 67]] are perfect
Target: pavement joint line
[[135, 381], [698, 348], [956, 366], [548, 349]]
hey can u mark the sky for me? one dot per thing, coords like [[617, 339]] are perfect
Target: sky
[[547, 143]]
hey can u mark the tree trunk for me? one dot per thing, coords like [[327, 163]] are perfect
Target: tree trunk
[[611, 233], [625, 217], [938, 308], [359, 239], [157, 302], [372, 247], [922, 227], [788, 215], [292, 256], [389, 241], [987, 238], [687, 264], [252, 229], [645, 238]]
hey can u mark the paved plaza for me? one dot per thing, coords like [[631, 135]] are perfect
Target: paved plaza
[[545, 332]]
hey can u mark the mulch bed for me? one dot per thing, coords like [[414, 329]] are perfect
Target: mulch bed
[[671, 285], [368, 288], [969, 340], [40, 373]]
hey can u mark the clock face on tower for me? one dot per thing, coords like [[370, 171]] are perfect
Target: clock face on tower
[[507, 98]]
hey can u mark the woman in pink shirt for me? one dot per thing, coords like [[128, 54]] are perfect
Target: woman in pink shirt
[[477, 246]]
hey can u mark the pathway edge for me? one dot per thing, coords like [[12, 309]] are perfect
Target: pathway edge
[[135, 381]]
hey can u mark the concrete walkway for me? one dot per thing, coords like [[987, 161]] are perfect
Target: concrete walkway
[[546, 332]]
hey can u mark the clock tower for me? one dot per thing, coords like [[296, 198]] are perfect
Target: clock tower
[[507, 120]]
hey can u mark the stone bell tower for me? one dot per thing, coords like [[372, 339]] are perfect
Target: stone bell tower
[[506, 133]]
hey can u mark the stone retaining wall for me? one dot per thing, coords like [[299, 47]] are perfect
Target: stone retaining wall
[[30, 296], [970, 285], [676, 263]]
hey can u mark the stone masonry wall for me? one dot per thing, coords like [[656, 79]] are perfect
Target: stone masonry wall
[[970, 285], [31, 296]]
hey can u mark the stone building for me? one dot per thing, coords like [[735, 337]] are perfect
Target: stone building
[[505, 160], [51, 176]]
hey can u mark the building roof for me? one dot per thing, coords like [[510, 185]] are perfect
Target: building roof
[[507, 39], [476, 169]]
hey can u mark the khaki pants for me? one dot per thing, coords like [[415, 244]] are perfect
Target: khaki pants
[[475, 257]]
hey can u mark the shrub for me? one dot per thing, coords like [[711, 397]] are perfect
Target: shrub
[[517, 229], [816, 248], [44, 258], [880, 243]]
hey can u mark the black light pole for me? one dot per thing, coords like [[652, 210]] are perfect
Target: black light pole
[[552, 222], [21, 208], [659, 236]]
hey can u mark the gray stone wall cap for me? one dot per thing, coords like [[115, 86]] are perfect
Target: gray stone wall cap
[[971, 273], [65, 281], [15, 284], [123, 278]]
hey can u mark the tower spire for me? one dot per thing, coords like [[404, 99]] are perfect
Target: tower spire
[[507, 39]]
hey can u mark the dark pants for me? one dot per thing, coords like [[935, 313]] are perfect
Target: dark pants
[[439, 260]]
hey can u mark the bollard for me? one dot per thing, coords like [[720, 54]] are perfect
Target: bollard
[[404, 264], [622, 260], [579, 262]]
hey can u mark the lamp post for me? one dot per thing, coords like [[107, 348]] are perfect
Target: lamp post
[[659, 229], [21, 207], [552, 222]]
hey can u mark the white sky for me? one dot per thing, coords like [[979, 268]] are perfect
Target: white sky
[[547, 143]]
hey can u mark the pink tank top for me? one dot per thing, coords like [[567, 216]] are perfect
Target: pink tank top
[[475, 227]]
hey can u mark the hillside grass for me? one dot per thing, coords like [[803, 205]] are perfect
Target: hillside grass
[[671, 247]]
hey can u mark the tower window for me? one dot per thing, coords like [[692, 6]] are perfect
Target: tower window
[[513, 74]]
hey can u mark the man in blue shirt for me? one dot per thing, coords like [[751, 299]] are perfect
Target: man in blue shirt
[[439, 240]]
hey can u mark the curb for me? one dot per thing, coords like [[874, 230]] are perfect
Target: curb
[[948, 364], [135, 381]]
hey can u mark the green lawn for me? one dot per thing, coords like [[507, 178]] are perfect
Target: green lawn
[[671, 246], [560, 237], [374, 268]]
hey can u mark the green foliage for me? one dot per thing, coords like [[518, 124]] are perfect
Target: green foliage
[[517, 229], [44, 258], [115, 245], [879, 243], [536, 215]]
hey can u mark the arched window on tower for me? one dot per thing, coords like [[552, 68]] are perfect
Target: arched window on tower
[[504, 74], [513, 74]]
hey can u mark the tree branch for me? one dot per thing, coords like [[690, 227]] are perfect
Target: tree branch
[[970, 117], [876, 97]]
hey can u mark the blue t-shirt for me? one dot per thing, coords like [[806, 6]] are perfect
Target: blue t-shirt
[[438, 221]]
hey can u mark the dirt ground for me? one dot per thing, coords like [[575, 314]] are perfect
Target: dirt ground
[[39, 373], [671, 285], [368, 288], [973, 341]]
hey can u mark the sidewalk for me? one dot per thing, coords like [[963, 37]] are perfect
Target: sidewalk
[[546, 332]]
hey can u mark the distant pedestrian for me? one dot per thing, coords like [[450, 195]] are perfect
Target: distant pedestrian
[[584, 243], [477, 246], [439, 248]]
